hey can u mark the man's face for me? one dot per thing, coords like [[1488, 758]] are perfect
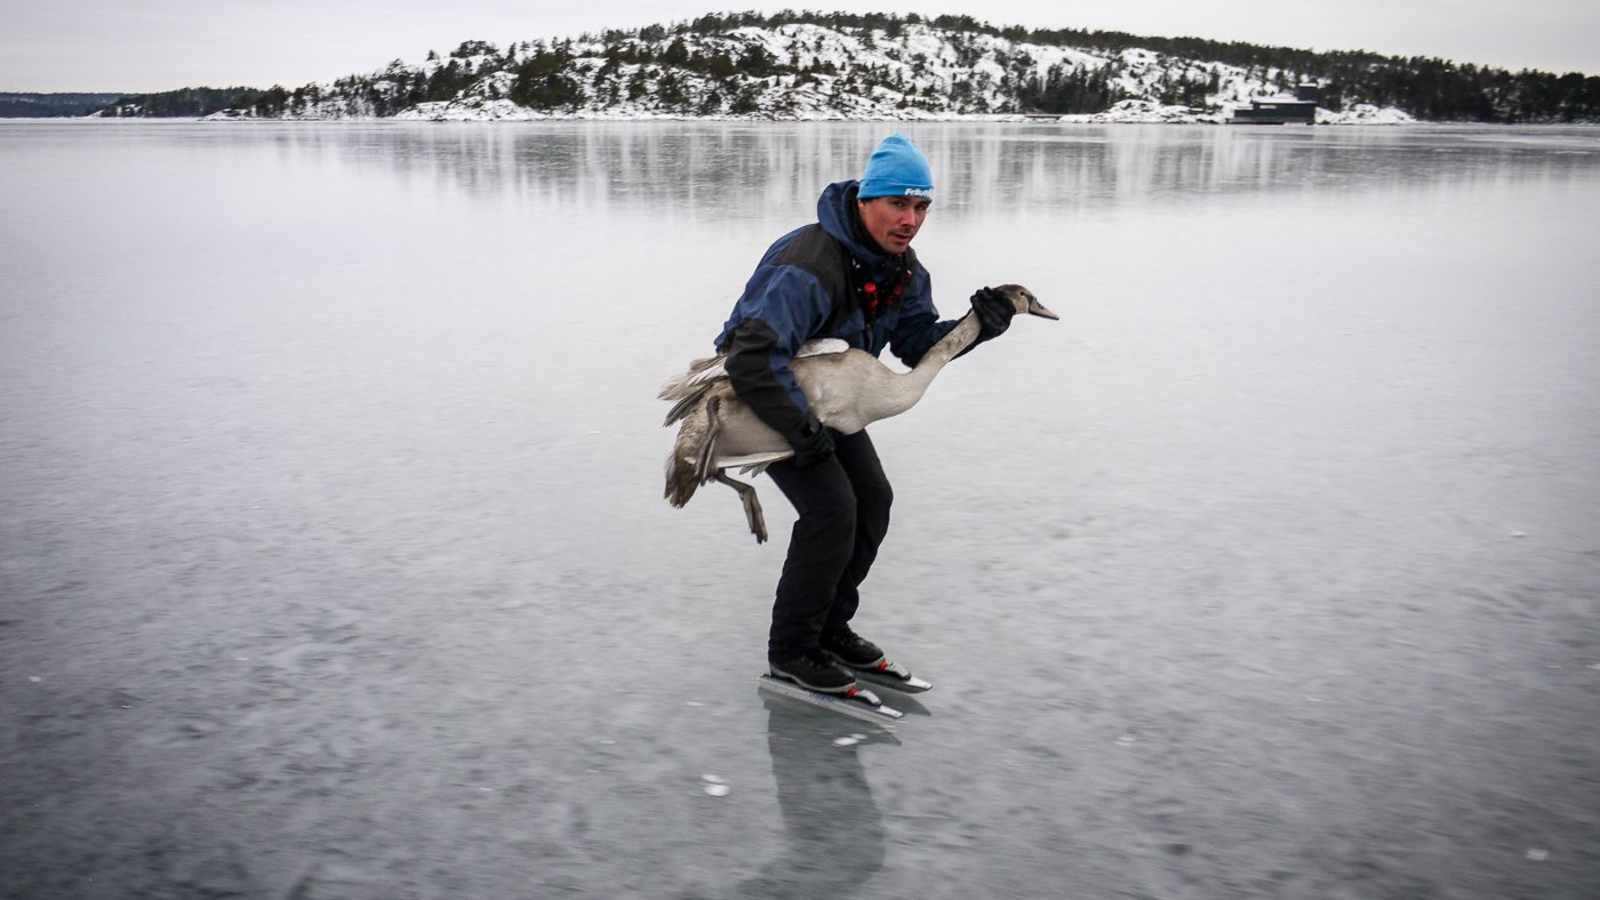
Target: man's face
[[893, 221]]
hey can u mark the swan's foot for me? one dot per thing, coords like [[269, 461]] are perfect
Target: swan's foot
[[752, 512], [752, 505]]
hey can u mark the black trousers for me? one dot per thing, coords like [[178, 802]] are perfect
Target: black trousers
[[843, 507]]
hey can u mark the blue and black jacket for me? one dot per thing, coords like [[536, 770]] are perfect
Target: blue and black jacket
[[825, 280]]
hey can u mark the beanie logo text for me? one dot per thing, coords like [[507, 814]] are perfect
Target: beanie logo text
[[919, 192]]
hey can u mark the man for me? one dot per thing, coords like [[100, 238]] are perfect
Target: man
[[852, 275]]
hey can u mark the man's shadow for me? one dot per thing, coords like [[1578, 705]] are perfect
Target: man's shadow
[[833, 831]]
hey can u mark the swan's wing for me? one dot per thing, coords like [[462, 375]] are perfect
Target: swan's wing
[[714, 368], [752, 461], [705, 370], [822, 347]]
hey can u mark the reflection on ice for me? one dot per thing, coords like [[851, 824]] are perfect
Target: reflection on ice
[[833, 829], [722, 170]]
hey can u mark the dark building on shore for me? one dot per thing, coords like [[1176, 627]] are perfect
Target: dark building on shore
[[1302, 109]]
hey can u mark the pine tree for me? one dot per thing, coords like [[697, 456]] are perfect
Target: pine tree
[[755, 61], [637, 84], [746, 100], [542, 81], [669, 90]]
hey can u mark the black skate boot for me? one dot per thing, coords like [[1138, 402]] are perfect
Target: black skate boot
[[851, 649], [814, 672]]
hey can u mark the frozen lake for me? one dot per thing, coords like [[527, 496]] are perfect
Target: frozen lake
[[333, 560]]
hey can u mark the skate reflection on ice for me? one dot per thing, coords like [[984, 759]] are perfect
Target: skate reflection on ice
[[834, 831]]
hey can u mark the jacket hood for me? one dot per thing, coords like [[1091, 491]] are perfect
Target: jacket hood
[[836, 211]]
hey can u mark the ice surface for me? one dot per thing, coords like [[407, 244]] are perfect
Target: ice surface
[[322, 396]]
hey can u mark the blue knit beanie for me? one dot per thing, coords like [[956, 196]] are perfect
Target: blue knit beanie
[[896, 169]]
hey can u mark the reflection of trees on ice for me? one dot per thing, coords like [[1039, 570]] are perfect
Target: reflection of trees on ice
[[833, 830], [717, 171]]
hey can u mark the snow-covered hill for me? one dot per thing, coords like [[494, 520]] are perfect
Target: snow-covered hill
[[797, 71]]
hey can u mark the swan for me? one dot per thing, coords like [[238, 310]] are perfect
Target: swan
[[848, 389]]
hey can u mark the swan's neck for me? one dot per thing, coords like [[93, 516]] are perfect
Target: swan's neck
[[949, 347], [905, 390]]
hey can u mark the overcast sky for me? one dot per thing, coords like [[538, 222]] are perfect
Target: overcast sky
[[137, 45]]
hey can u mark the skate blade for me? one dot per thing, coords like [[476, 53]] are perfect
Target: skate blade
[[864, 705], [909, 684], [889, 674]]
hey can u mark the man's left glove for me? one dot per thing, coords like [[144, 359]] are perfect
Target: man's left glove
[[994, 311], [811, 442]]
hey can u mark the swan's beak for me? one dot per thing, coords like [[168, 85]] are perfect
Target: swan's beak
[[1035, 308]]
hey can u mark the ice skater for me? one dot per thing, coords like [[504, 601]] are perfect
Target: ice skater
[[851, 275]]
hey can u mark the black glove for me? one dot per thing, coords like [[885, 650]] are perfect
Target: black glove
[[812, 443], [994, 311]]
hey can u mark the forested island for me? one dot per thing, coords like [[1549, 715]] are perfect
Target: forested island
[[815, 65]]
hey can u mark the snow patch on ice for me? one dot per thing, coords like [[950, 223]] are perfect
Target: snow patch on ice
[[715, 785]]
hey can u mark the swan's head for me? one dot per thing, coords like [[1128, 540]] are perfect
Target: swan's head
[[1023, 301]]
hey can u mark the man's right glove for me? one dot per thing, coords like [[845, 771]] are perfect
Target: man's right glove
[[994, 312], [812, 443]]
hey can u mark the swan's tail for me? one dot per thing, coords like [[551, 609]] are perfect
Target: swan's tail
[[694, 452], [686, 404], [686, 390]]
